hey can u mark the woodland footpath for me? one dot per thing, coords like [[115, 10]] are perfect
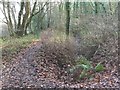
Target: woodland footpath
[[60, 44]]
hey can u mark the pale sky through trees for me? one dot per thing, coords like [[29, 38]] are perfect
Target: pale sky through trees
[[17, 5]]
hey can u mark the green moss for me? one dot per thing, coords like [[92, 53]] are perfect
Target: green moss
[[14, 45]]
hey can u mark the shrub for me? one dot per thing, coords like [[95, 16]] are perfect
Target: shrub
[[57, 49]]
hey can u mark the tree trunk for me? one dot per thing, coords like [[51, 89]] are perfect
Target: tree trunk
[[13, 16], [49, 15], [22, 25], [31, 15], [10, 20], [25, 17], [67, 4], [96, 7], [7, 20], [19, 31]]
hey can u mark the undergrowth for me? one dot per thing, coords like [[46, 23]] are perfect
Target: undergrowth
[[84, 68], [56, 48], [12, 46]]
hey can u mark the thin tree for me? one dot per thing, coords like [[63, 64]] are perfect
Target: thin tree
[[96, 7], [7, 14], [67, 7]]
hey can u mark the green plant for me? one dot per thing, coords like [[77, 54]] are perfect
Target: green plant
[[86, 67], [99, 67], [84, 63]]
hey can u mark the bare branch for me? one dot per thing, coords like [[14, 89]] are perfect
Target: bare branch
[[41, 8], [4, 11]]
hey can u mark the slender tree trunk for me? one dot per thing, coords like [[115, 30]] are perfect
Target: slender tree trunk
[[19, 31], [49, 15], [96, 7], [10, 20], [7, 21], [31, 15], [74, 9], [67, 4], [13, 16], [25, 17]]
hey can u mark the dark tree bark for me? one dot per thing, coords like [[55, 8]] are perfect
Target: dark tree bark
[[19, 31], [20, 14], [22, 26], [49, 15], [31, 15], [25, 17], [96, 7], [67, 4]]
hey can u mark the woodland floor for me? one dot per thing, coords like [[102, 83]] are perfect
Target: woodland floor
[[23, 71]]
